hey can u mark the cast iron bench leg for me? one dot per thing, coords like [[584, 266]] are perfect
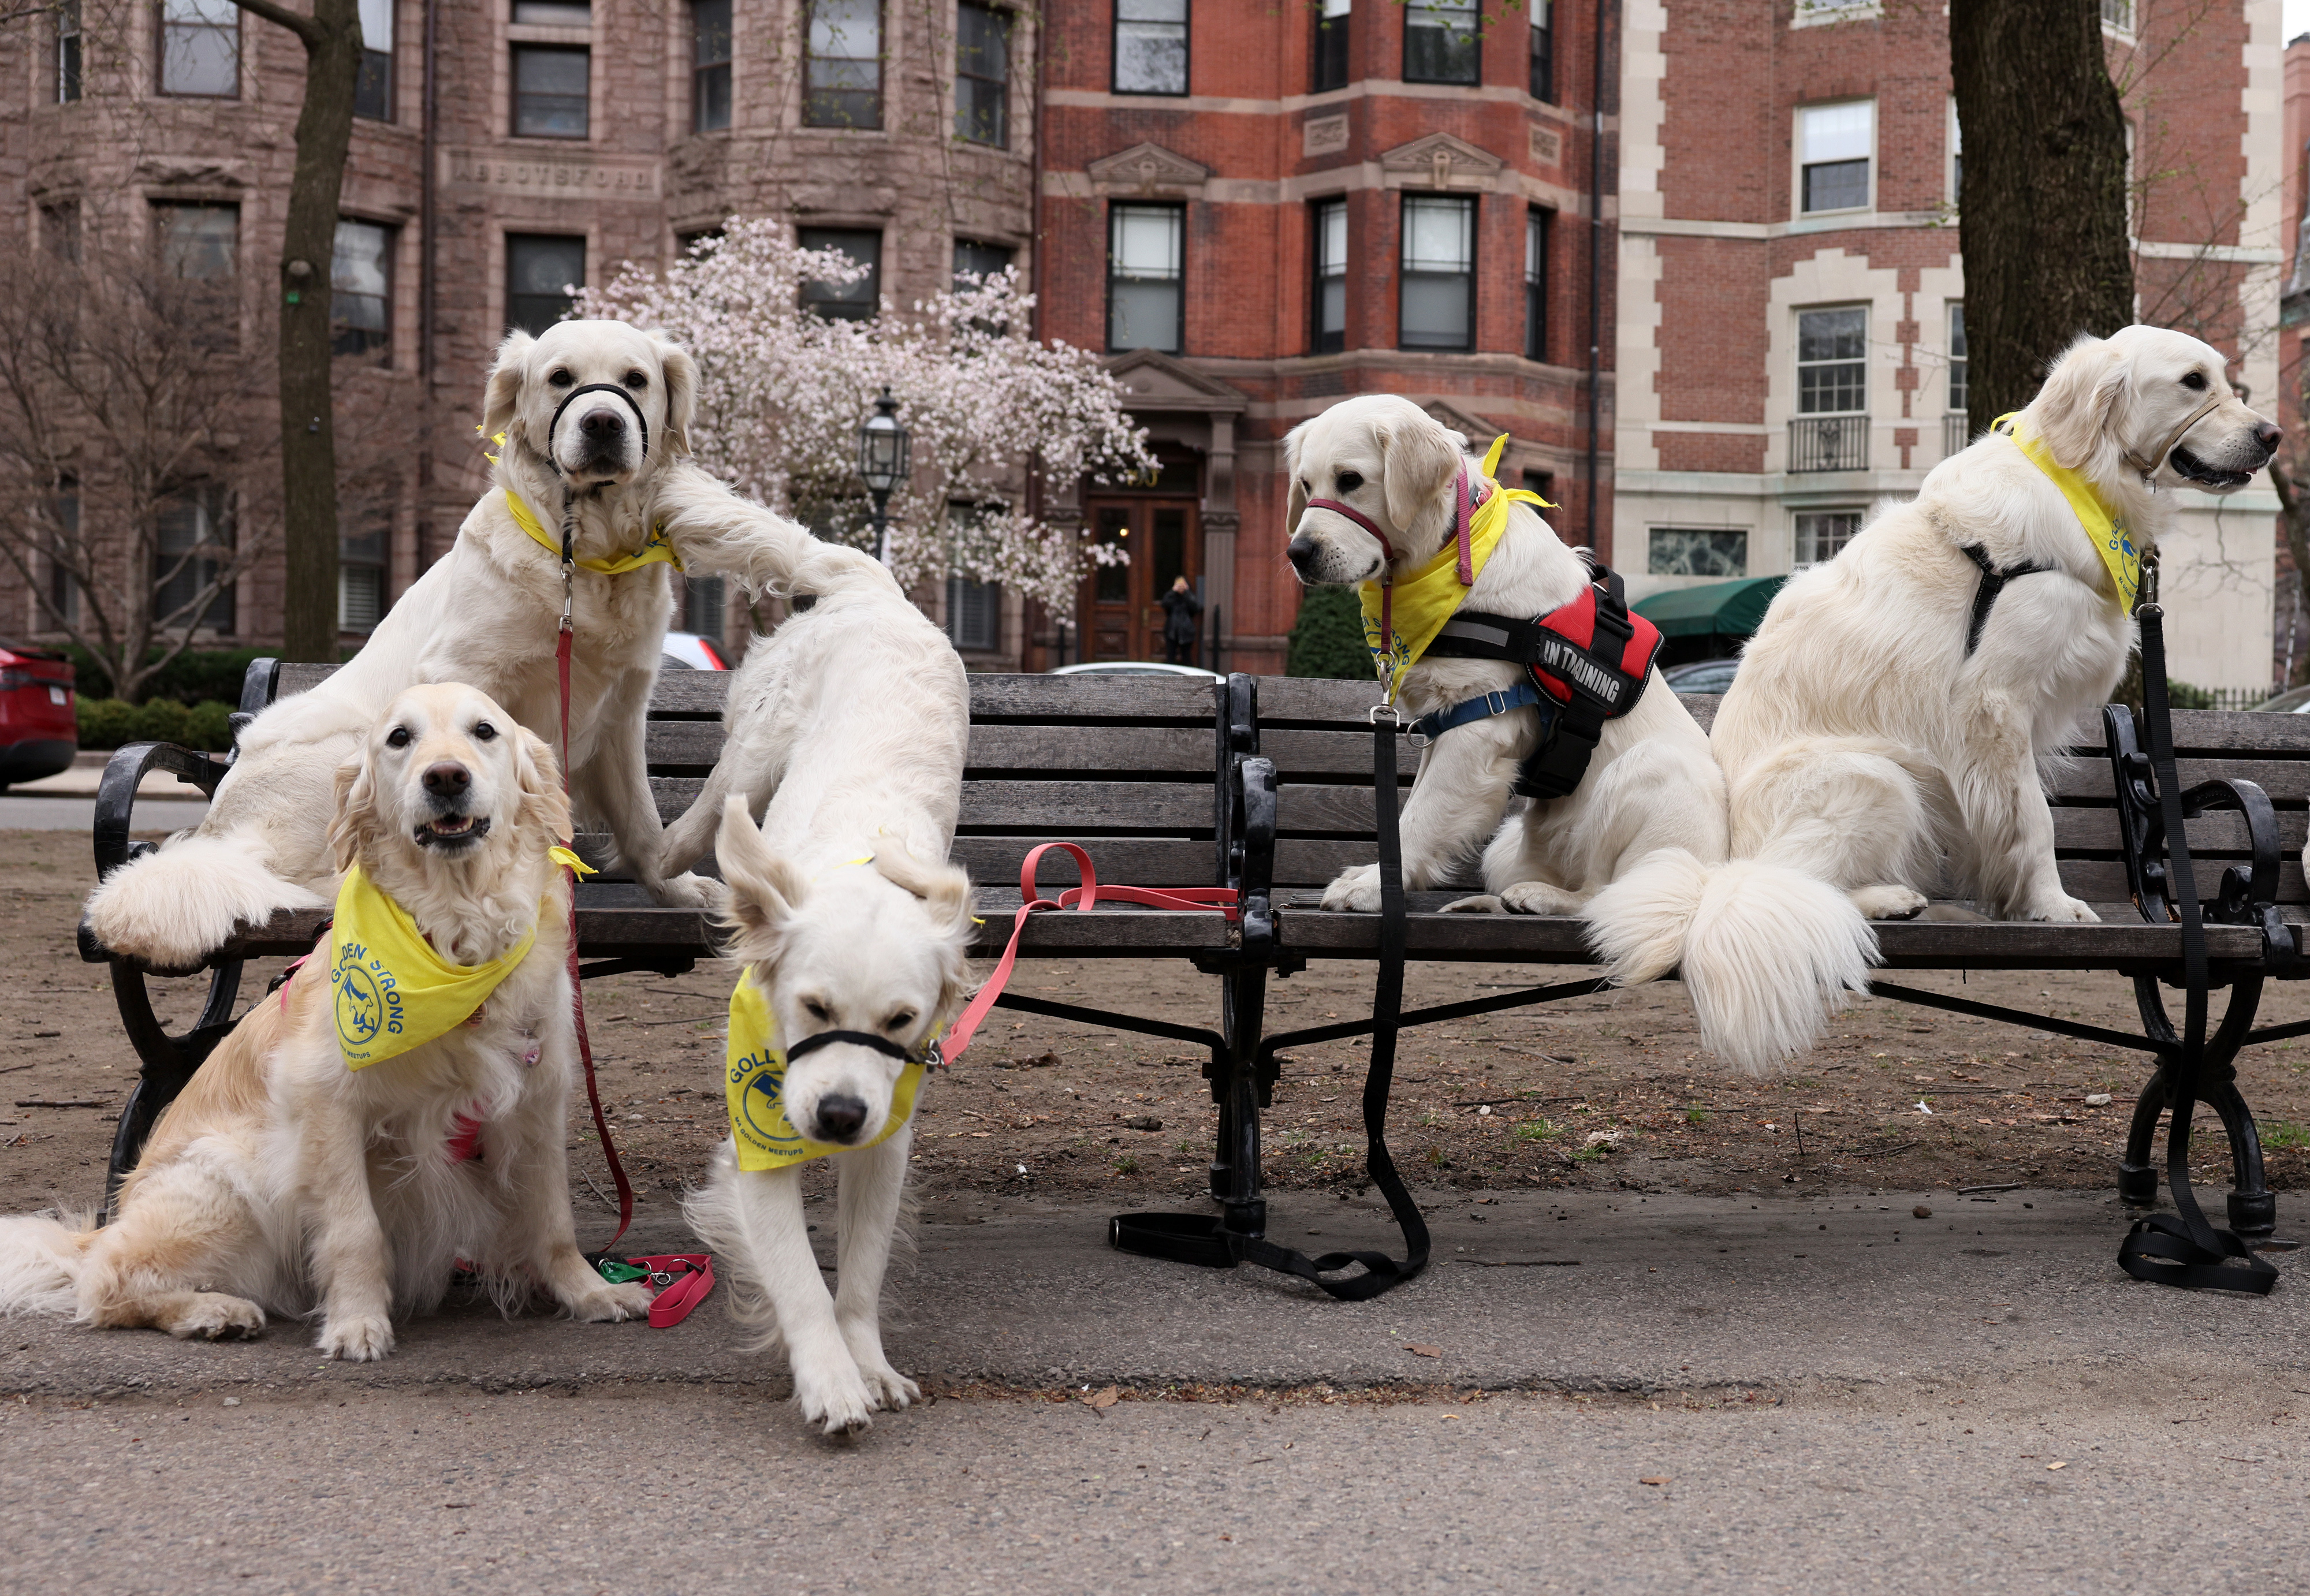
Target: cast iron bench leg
[[1240, 1093], [2253, 1206], [168, 1062]]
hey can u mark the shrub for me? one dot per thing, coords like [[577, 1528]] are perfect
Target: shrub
[[193, 677], [105, 723], [1328, 637], [108, 722]]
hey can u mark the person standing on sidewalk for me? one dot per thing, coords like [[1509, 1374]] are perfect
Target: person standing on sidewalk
[[1180, 608]]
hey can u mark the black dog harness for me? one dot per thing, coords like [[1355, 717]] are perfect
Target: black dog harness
[[1992, 582], [1588, 663]]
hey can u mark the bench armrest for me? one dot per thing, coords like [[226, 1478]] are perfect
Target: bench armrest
[[2248, 895], [116, 794]]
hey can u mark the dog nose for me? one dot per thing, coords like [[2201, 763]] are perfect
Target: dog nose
[[447, 779], [601, 425], [2269, 436], [840, 1117], [1302, 553]]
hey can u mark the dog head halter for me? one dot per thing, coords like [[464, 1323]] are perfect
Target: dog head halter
[[632, 403], [1464, 499], [2149, 467], [928, 1056]]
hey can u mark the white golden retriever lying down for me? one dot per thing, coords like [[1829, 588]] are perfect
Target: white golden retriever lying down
[[284, 1180], [1639, 847], [1884, 732], [595, 408], [851, 720]]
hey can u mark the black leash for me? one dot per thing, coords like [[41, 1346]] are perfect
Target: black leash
[[2181, 1248]]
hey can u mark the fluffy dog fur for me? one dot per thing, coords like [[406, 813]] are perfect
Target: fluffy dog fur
[[282, 1180], [488, 614], [1863, 745], [1640, 848], [850, 722]]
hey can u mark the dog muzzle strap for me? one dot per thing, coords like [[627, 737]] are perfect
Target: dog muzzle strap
[[553, 426], [883, 1045]]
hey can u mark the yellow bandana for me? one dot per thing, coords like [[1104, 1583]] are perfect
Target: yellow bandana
[[2110, 538], [656, 549], [393, 992], [1424, 599], [755, 1083]]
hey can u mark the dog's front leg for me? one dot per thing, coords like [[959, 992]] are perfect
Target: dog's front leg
[[2009, 827], [826, 1383], [615, 784], [352, 1258], [873, 1180], [1456, 802]]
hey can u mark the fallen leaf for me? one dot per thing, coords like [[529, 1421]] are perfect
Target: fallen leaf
[[1105, 1397], [1656, 1480], [1421, 1349]]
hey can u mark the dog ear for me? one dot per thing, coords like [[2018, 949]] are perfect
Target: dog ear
[[680, 373], [1418, 459], [1297, 505], [945, 892], [501, 402], [356, 817], [764, 889], [544, 806], [2074, 411]]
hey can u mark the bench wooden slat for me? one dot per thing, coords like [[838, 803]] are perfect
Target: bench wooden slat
[[1047, 700], [2097, 880], [2288, 781], [2221, 832]]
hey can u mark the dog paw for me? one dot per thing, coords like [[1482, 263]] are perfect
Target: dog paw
[[212, 1316], [892, 1391], [1482, 903], [359, 1337], [1888, 902], [611, 1304], [687, 891], [833, 1396], [2061, 911], [1355, 891], [1538, 898]]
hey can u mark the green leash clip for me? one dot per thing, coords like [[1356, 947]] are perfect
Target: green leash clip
[[618, 1273]]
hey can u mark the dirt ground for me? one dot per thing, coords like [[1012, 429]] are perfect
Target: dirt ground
[[1596, 1092]]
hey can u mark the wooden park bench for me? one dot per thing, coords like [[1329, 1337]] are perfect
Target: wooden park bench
[[1268, 785]]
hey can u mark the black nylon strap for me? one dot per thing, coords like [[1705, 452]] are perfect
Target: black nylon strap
[[811, 1044], [632, 403], [1992, 582]]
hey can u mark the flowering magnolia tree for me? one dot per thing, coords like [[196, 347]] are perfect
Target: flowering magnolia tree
[[781, 391]]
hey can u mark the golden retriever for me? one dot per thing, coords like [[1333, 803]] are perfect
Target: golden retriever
[[282, 1180]]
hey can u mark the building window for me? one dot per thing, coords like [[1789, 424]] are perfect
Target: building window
[[1833, 361], [1442, 41], [975, 262], [1144, 277], [361, 285], [1331, 55], [67, 52], [199, 243], [360, 580], [859, 301], [60, 229], [373, 87], [709, 65], [1535, 285], [982, 74], [200, 47], [551, 84], [1689, 551], [844, 65], [1957, 358], [1821, 534], [702, 607], [541, 270], [195, 545], [2117, 15], [1329, 232], [1439, 305], [1834, 143], [1544, 50], [1150, 46], [974, 614], [1542, 483]]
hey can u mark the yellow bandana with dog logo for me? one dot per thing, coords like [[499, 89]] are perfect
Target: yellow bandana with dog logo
[[2110, 539], [755, 1083], [656, 549], [393, 992], [1425, 599]]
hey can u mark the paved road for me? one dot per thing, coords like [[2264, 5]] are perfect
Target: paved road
[[23, 811], [1848, 1399]]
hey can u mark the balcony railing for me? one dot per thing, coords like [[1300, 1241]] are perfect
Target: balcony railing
[[1955, 433], [1828, 443]]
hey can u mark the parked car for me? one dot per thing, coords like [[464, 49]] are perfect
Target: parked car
[[2294, 700], [1702, 676], [1134, 667], [687, 650], [40, 730]]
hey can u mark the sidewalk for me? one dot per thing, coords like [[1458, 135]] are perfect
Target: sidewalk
[[87, 773]]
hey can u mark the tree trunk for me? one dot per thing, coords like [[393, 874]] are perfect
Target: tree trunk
[[309, 453], [2042, 205]]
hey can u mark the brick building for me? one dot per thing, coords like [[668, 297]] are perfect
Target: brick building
[[1791, 343]]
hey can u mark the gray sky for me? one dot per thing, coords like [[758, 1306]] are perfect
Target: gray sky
[[2297, 18]]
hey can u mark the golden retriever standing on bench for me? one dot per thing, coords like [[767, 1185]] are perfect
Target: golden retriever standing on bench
[[1884, 732], [286, 1180]]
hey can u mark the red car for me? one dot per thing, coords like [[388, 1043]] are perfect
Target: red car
[[38, 730]]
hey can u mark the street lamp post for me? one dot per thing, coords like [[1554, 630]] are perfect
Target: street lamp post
[[882, 446]]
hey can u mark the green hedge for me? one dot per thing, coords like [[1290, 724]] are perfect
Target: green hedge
[[196, 676], [1328, 638], [108, 723]]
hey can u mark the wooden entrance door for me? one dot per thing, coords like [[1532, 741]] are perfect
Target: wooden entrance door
[[1122, 609]]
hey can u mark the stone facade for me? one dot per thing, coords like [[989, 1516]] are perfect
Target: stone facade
[[1749, 465]]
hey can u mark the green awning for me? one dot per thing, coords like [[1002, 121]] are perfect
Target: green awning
[[1721, 609]]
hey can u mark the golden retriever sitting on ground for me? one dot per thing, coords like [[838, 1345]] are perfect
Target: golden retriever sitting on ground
[[1885, 730], [339, 1154]]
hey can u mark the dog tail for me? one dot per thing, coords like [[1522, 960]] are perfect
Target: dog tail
[[1767, 953], [39, 1260], [174, 908]]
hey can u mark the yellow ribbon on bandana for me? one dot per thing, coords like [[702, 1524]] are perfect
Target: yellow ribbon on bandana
[[756, 1081], [1424, 599], [392, 990], [2110, 539], [656, 550]]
